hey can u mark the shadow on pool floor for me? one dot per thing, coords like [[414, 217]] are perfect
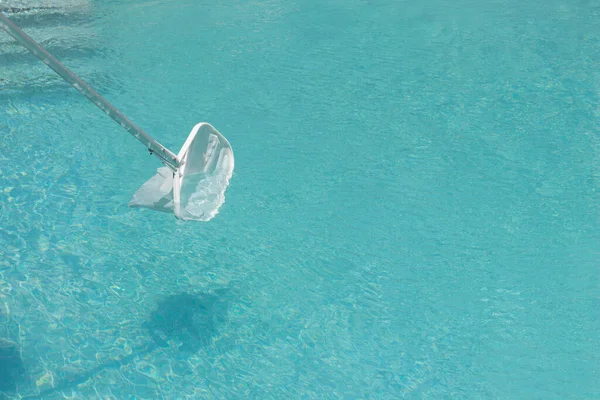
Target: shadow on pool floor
[[191, 319]]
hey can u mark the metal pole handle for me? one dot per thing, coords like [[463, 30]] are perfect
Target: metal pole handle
[[164, 154]]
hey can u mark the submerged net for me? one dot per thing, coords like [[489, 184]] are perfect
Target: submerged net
[[196, 190]]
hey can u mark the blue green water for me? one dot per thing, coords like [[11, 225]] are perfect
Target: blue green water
[[413, 214]]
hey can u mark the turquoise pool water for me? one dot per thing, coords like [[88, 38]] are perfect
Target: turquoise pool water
[[413, 214]]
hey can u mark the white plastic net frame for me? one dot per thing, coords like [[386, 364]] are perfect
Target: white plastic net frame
[[196, 190]]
